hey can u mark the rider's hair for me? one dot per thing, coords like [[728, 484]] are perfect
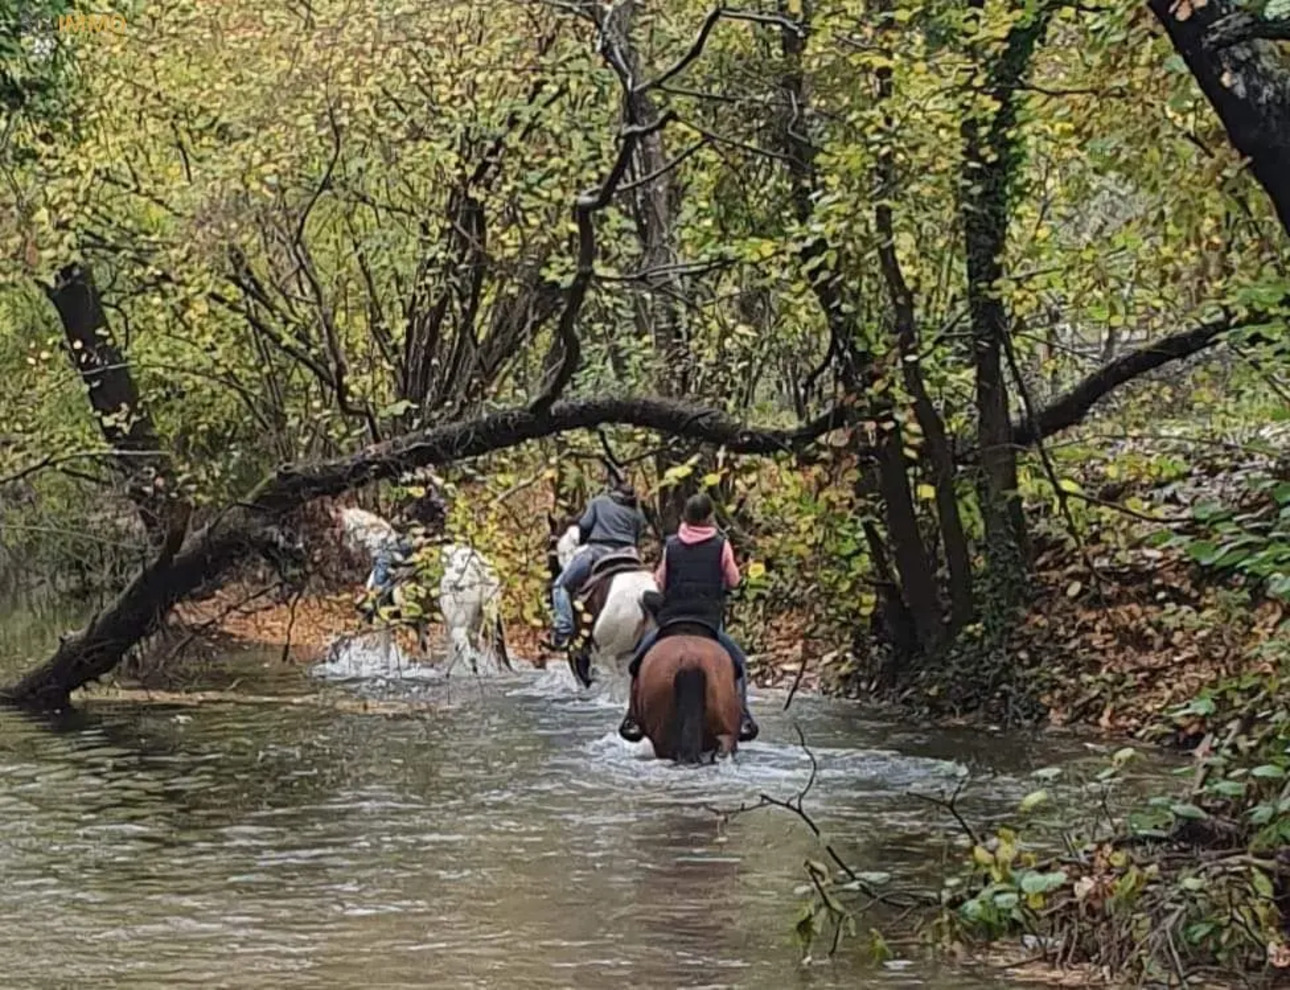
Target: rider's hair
[[623, 490], [698, 509]]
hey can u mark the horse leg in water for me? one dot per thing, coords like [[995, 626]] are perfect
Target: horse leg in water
[[686, 699], [460, 615]]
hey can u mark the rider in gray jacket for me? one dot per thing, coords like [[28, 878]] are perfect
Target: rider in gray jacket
[[613, 521]]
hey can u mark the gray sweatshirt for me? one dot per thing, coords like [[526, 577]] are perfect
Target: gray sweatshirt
[[611, 523]]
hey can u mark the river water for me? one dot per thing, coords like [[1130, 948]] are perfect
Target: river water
[[505, 837]]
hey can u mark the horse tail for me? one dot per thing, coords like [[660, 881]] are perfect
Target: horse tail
[[493, 624], [689, 692]]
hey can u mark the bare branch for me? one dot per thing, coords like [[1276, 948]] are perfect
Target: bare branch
[[55, 460], [1072, 407], [701, 40], [1244, 26], [645, 180], [586, 206], [304, 259]]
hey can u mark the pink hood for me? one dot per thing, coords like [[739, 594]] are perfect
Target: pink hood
[[689, 534]]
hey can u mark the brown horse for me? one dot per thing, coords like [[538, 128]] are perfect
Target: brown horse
[[685, 697]]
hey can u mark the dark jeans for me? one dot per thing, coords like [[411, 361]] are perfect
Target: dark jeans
[[382, 577]]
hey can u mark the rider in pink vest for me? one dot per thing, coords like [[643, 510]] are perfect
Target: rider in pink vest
[[697, 570]]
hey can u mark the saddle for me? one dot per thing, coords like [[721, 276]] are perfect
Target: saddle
[[676, 627], [607, 566], [593, 592], [687, 627], [652, 601]]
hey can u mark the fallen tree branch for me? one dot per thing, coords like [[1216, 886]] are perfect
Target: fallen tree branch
[[210, 552], [1069, 409]]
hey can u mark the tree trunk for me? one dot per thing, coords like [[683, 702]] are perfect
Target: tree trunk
[[856, 367], [913, 565], [991, 161], [891, 616], [123, 420], [1246, 81], [935, 444]]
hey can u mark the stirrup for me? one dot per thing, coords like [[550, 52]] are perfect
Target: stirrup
[[630, 730]]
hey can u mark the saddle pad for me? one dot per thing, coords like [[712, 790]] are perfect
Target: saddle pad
[[616, 561], [609, 565]]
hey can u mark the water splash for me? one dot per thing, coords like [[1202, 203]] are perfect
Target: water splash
[[371, 656]]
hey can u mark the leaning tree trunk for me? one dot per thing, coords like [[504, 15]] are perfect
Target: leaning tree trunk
[[1246, 80], [247, 525]]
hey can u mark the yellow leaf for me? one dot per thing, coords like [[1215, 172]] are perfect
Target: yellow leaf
[[711, 480], [756, 570], [926, 491]]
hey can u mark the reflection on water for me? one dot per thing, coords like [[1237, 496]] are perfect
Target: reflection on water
[[507, 839]]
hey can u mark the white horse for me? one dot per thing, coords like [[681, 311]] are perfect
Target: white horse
[[470, 598], [470, 594], [622, 621]]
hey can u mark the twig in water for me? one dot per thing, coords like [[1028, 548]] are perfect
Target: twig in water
[[950, 807], [291, 621], [801, 670]]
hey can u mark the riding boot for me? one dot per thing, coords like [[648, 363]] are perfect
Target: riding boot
[[630, 729], [748, 728]]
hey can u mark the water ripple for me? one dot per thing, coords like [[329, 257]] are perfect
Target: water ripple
[[506, 838]]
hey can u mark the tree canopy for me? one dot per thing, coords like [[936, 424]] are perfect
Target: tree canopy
[[290, 252]]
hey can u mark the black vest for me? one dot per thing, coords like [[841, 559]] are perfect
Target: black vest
[[694, 588]]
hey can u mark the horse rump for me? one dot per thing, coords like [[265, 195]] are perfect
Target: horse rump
[[689, 715]]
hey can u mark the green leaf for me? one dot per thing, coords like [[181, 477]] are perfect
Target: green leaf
[[1006, 900], [1262, 885], [1227, 788], [1033, 800], [1185, 810], [1122, 756], [1042, 883]]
